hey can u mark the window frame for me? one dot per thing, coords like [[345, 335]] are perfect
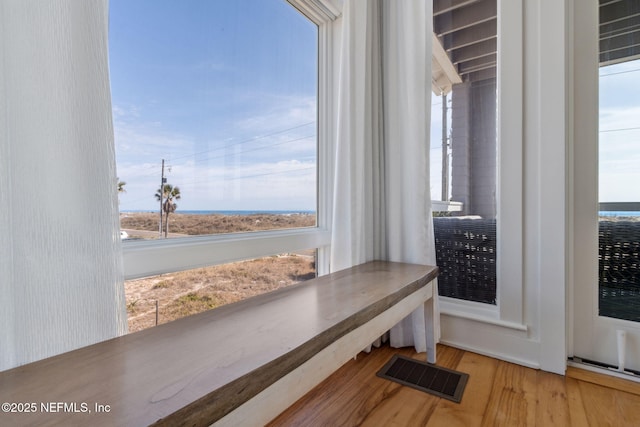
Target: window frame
[[509, 309], [153, 257]]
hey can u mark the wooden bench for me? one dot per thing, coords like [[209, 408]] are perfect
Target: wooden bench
[[241, 364]]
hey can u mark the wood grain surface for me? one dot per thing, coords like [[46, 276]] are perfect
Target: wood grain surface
[[197, 369], [497, 394]]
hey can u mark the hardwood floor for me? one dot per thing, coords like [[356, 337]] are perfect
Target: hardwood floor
[[497, 394]]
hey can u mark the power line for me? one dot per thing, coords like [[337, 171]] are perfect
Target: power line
[[264, 147], [620, 72], [247, 151], [154, 173], [187, 184], [273, 173], [235, 178], [619, 130], [255, 138]]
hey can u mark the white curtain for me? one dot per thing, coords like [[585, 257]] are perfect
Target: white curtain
[[382, 203], [61, 276]]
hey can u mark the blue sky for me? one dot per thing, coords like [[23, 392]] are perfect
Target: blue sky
[[435, 153], [619, 136], [225, 92], [619, 153]]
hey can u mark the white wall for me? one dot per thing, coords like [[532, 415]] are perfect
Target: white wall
[[539, 339], [60, 262]]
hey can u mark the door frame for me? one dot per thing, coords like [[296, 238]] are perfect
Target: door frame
[[583, 320]]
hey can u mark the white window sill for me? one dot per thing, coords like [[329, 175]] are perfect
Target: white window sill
[[151, 257], [477, 312], [441, 206]]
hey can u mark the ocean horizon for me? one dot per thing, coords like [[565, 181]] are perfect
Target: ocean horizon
[[228, 212], [619, 213], [309, 212]]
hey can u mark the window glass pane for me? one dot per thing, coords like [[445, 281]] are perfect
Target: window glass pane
[[217, 98], [184, 293], [619, 160], [144, 225], [440, 156], [465, 231]]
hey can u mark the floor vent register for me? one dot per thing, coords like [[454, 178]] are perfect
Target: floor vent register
[[425, 377]]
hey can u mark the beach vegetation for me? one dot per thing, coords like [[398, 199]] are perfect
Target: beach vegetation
[[166, 194], [161, 285], [184, 293]]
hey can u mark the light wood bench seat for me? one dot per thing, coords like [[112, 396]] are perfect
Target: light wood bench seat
[[257, 355]]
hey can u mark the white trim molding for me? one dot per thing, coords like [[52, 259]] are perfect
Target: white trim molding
[[442, 206], [510, 161], [151, 257], [529, 323], [148, 258], [443, 73], [319, 11]]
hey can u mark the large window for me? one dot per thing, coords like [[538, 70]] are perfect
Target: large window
[[619, 157], [477, 144], [220, 126], [215, 116], [464, 150], [160, 299]]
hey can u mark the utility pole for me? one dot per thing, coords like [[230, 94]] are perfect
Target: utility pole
[[445, 151], [163, 180]]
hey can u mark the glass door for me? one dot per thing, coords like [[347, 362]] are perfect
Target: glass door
[[607, 307]]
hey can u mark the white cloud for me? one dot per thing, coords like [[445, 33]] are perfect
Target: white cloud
[[620, 186], [280, 112], [619, 152], [274, 170], [283, 185], [612, 118]]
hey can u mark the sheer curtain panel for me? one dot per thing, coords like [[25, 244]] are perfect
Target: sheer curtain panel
[[60, 261], [382, 207]]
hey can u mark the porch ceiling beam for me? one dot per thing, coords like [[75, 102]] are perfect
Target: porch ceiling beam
[[476, 76], [620, 42], [608, 2], [444, 74], [475, 51], [472, 35], [443, 6], [617, 11], [466, 17], [477, 64], [620, 58], [619, 31], [629, 53], [612, 29], [465, 74]]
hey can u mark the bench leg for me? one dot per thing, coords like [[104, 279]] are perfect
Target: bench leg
[[431, 323]]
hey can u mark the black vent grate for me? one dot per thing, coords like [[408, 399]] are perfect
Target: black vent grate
[[426, 377]]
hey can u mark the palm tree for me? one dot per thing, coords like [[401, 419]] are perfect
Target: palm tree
[[168, 193], [121, 185], [121, 189]]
